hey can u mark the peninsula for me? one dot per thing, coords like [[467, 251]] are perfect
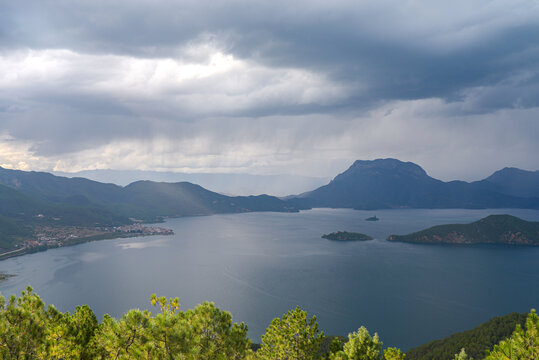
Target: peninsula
[[50, 237], [493, 229], [346, 236]]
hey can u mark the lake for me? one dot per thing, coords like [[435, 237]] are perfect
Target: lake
[[260, 265]]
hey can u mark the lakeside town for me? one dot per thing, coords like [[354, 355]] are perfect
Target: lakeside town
[[46, 237]]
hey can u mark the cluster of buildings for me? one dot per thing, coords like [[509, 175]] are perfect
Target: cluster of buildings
[[140, 229]]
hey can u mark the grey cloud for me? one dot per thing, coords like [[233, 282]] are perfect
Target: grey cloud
[[387, 51]]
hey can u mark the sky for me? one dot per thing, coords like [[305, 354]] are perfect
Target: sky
[[269, 87]]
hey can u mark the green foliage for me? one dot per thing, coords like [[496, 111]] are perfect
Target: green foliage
[[523, 344], [330, 345], [28, 330], [476, 341], [394, 354], [202, 333], [293, 336], [22, 326], [360, 346], [462, 355]]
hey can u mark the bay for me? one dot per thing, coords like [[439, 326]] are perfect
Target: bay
[[260, 265]]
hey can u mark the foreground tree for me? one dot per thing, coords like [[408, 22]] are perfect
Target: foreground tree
[[360, 346], [202, 333], [293, 336], [523, 344], [23, 326]]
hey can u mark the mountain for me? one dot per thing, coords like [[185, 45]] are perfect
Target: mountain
[[146, 200], [493, 229], [391, 183], [32, 210], [513, 181], [236, 184], [60, 189]]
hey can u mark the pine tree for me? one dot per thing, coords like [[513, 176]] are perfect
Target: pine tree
[[291, 337], [523, 344]]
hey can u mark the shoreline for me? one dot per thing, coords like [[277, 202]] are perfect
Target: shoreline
[[72, 242]]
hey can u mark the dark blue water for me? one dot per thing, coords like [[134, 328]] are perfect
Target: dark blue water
[[260, 265]]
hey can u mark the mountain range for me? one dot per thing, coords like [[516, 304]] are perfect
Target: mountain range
[[39, 198], [390, 183], [145, 200], [233, 183]]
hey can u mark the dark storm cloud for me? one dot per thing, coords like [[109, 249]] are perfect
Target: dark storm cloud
[[381, 51]]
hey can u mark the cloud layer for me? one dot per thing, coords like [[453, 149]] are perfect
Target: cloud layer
[[269, 87]]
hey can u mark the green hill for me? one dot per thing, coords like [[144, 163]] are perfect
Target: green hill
[[147, 200], [493, 229], [11, 233], [476, 341], [31, 210]]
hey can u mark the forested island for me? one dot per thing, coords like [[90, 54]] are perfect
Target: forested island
[[493, 229], [5, 277], [346, 236], [29, 330]]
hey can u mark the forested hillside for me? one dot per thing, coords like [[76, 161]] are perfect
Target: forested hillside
[[477, 341]]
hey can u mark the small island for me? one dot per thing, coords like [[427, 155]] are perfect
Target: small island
[[4, 277], [493, 229], [346, 236], [372, 218]]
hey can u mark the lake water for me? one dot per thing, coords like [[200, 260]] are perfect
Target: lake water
[[260, 265]]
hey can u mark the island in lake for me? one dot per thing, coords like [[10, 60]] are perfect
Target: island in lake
[[346, 236], [493, 229], [372, 218], [5, 277]]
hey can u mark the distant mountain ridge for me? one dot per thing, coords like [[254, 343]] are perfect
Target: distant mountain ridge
[[516, 182], [146, 200], [391, 183], [228, 184]]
